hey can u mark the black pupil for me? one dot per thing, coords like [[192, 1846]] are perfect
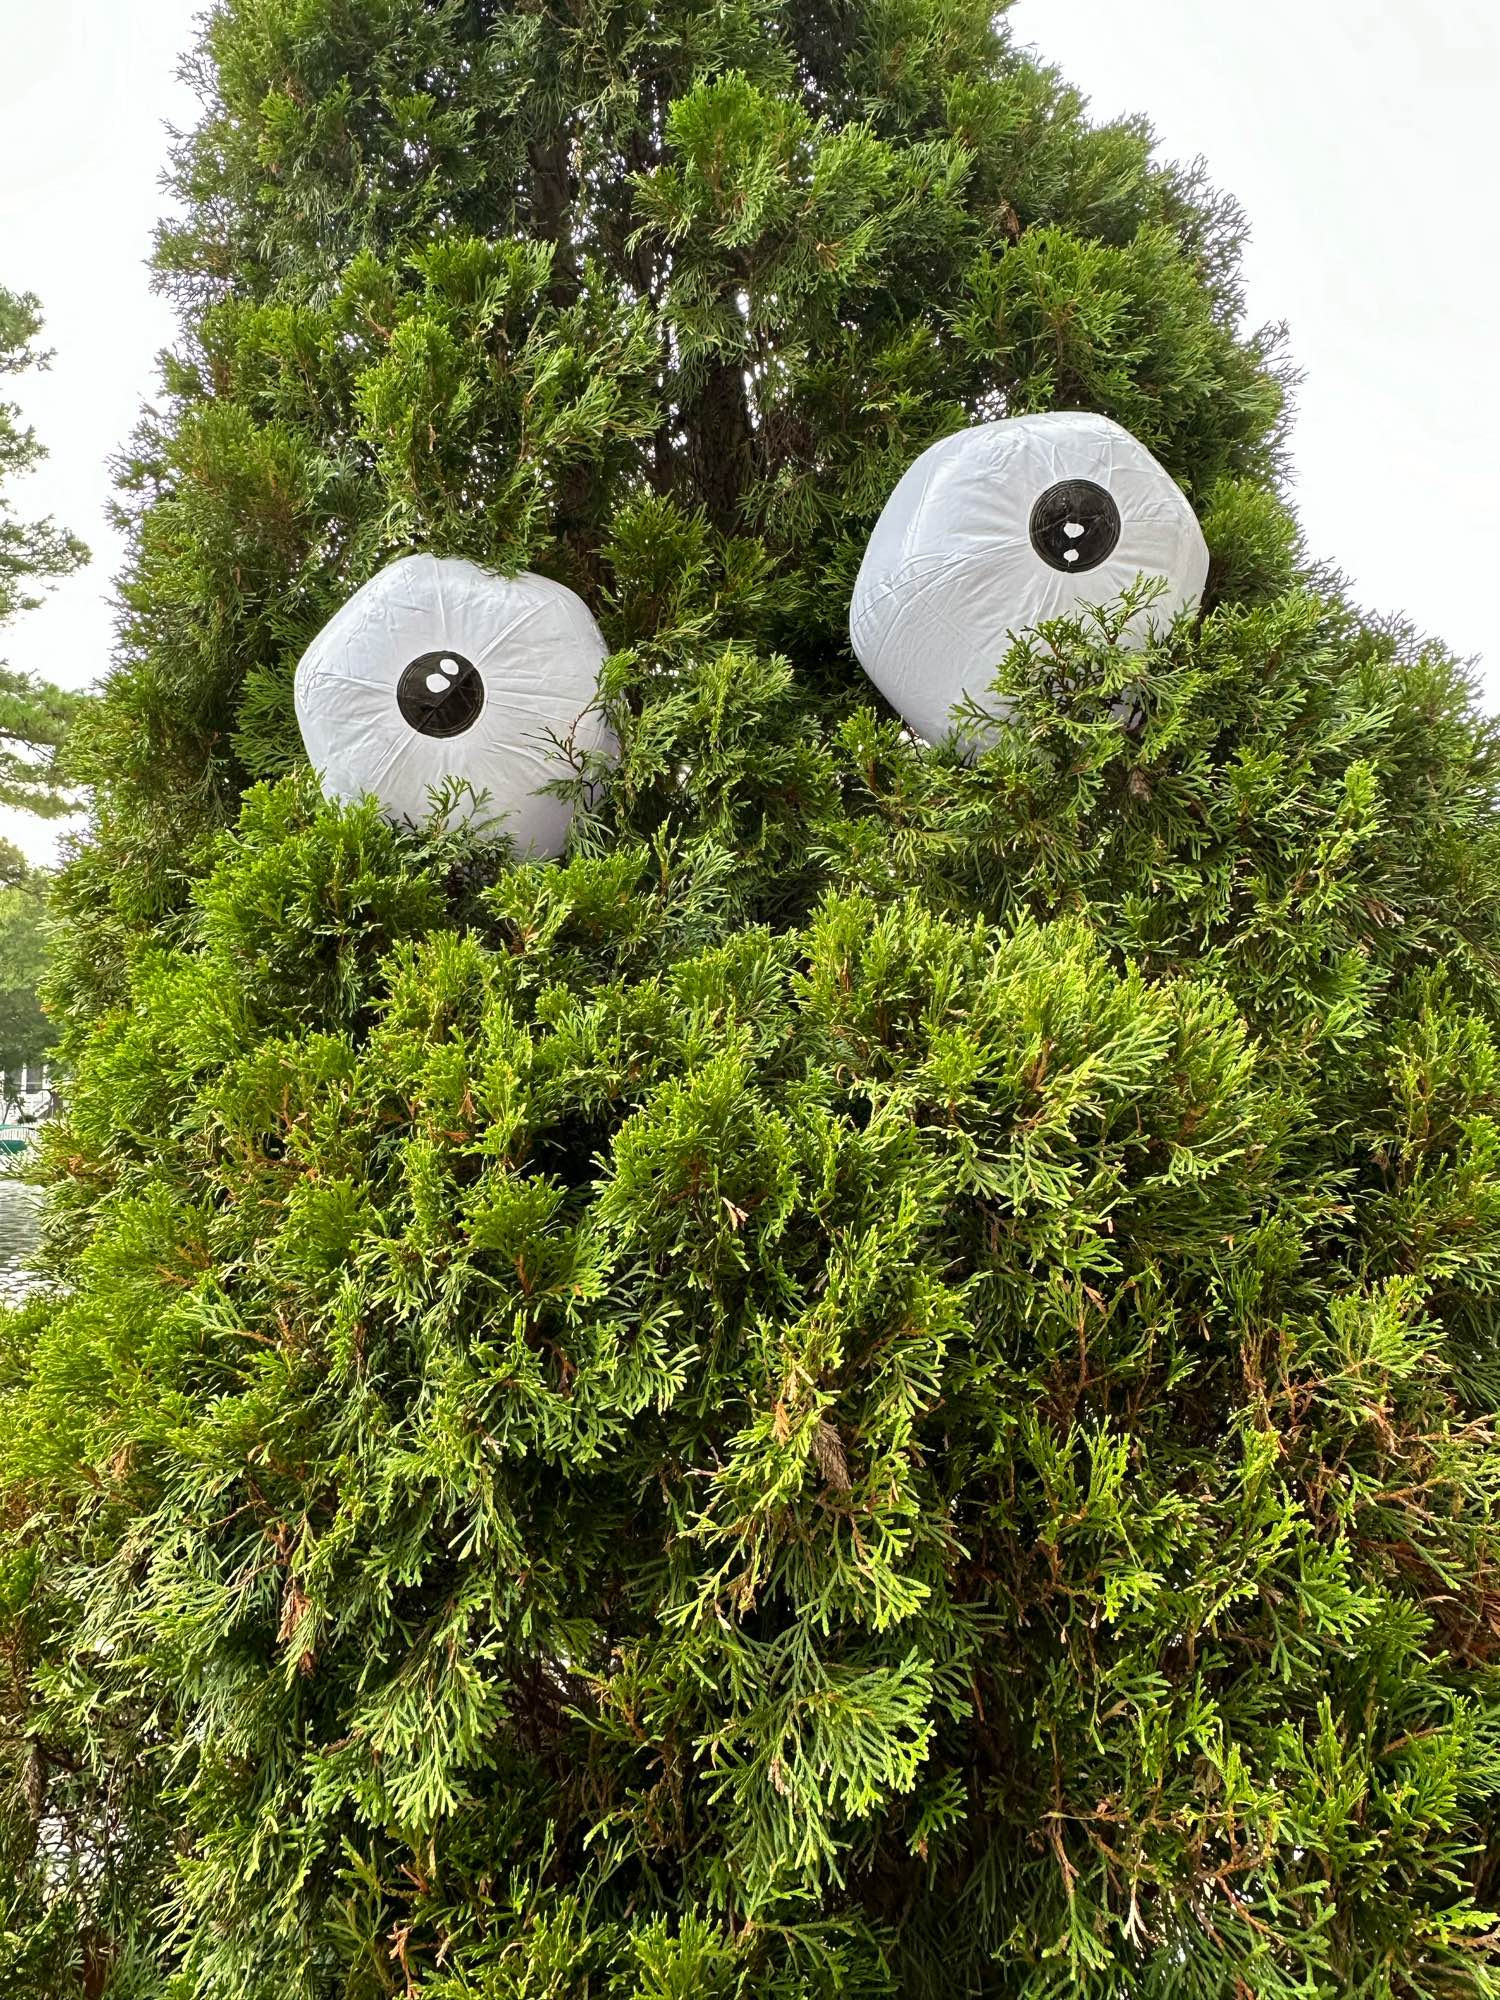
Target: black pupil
[[1075, 525], [440, 694]]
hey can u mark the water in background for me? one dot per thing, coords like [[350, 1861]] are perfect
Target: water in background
[[18, 1235]]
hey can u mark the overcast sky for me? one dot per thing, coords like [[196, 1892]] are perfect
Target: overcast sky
[[1358, 134]]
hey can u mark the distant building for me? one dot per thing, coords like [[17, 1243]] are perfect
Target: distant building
[[26, 1093]]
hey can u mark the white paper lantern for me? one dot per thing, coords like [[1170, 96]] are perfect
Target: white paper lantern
[[436, 669], [998, 528]]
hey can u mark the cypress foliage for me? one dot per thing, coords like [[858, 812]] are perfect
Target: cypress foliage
[[883, 1382]]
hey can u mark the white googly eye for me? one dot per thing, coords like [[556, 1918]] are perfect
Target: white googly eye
[[438, 670], [999, 528]]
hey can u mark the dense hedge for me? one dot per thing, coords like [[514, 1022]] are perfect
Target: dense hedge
[[883, 1382]]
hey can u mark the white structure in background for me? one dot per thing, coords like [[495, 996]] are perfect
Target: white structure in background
[[25, 1100], [26, 1093]]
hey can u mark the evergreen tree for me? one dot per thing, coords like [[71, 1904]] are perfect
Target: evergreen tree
[[884, 1381], [25, 1032], [34, 716]]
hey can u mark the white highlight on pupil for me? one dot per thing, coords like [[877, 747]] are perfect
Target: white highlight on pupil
[[1070, 555], [1072, 529], [438, 682]]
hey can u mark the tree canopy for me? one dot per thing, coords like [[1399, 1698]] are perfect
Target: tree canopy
[[34, 715], [25, 1032]]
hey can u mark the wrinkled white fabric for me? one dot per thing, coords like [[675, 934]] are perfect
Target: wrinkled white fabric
[[536, 648], [950, 576]]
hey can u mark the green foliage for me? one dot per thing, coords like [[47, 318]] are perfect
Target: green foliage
[[28, 549], [35, 717], [36, 725], [25, 1032], [884, 1381]]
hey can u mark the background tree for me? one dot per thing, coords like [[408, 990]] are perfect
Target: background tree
[[25, 1032], [885, 1381], [34, 715]]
